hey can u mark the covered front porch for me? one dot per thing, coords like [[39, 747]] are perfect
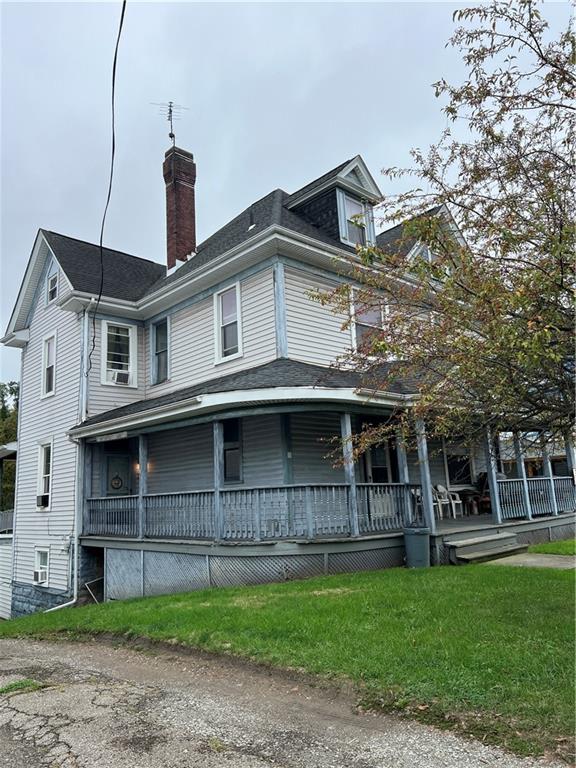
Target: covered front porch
[[265, 476]]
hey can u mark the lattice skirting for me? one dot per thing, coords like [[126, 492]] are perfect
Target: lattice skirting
[[135, 573]]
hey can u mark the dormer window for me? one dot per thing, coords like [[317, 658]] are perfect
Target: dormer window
[[355, 220], [52, 288]]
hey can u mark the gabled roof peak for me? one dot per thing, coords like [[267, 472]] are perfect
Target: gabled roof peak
[[352, 175]]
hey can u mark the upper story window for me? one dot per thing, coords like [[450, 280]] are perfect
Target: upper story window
[[119, 354], [228, 328], [367, 322], [355, 220], [160, 351], [44, 476], [49, 366], [41, 565], [52, 288], [232, 451]]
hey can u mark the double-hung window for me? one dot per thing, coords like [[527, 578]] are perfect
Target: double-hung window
[[41, 565], [355, 220], [160, 351], [52, 288], [49, 366], [119, 354], [232, 451], [44, 476], [368, 321], [228, 332]]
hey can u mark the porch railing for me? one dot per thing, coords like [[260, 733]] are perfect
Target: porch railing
[[180, 515], [387, 507], [112, 516], [256, 514], [512, 503]]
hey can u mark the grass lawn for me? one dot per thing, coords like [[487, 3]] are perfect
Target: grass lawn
[[565, 547], [486, 650]]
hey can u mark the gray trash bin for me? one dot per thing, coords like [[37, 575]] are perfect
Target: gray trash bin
[[417, 543]]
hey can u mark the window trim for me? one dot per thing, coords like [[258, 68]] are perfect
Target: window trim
[[133, 351], [43, 393], [153, 374], [37, 551], [370, 234], [50, 277], [218, 357], [40, 474]]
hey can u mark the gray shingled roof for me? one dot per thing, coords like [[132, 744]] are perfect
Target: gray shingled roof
[[394, 240], [277, 373], [130, 277], [125, 276]]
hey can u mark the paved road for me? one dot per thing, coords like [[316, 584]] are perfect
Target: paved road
[[106, 707]]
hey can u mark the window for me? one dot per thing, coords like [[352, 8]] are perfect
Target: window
[[49, 366], [41, 566], [232, 451], [228, 326], [119, 356], [367, 322], [44, 476], [160, 351], [355, 220], [52, 288]]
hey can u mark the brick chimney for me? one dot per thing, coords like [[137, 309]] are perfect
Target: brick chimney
[[179, 171]]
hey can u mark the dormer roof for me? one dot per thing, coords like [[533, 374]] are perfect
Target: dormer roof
[[353, 175]]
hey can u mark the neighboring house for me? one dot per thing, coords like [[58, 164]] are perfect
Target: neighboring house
[[174, 423]]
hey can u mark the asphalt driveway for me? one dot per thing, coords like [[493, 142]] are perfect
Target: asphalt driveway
[[106, 707]]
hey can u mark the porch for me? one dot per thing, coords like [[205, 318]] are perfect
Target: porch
[[204, 483]]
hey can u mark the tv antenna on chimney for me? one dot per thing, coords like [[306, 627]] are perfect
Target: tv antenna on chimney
[[171, 112]]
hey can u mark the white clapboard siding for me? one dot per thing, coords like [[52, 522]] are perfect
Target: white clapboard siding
[[104, 397], [43, 420], [262, 462], [192, 337], [5, 576], [311, 435], [315, 333]]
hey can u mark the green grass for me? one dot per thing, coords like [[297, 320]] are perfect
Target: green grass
[[21, 686], [565, 547], [487, 650]]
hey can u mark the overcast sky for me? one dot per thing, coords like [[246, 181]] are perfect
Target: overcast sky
[[277, 94]]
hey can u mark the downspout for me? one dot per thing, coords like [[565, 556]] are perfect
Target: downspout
[[80, 463]]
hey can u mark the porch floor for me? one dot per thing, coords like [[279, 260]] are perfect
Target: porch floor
[[483, 522]]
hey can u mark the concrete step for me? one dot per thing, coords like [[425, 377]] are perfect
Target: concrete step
[[483, 556], [492, 541]]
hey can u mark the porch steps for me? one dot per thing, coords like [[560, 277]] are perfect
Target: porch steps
[[483, 548]]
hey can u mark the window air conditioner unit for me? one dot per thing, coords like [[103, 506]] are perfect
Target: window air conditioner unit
[[42, 501], [121, 377], [40, 576]]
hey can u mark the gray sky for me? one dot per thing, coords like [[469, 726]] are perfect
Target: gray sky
[[277, 94]]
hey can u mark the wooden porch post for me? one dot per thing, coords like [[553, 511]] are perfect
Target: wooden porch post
[[521, 472], [490, 454], [425, 479], [143, 483], [218, 433], [403, 472], [350, 471], [547, 466]]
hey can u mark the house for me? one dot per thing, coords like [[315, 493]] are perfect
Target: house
[[175, 420]]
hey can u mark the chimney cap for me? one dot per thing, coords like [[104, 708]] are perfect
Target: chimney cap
[[177, 151]]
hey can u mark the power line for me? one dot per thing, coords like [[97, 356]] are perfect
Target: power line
[[101, 248]]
